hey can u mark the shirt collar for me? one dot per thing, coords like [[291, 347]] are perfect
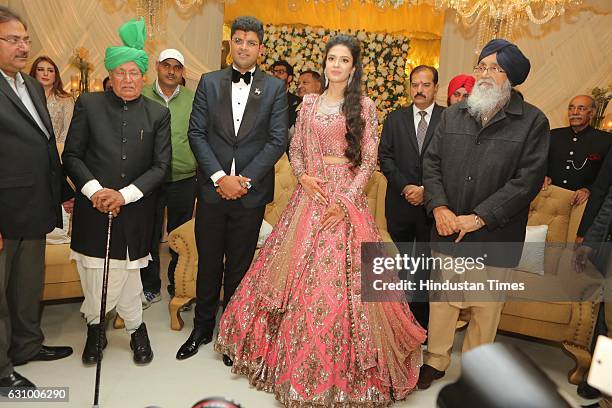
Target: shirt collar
[[429, 111], [163, 95], [583, 131], [18, 78], [252, 70]]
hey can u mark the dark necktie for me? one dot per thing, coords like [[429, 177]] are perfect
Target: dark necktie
[[236, 76], [421, 130]]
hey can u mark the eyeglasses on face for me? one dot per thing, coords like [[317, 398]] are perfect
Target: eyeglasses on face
[[121, 74], [493, 69], [15, 40]]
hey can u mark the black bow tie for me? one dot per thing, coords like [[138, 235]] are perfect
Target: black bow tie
[[236, 76]]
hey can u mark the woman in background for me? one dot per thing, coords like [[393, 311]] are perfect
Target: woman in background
[[59, 102]]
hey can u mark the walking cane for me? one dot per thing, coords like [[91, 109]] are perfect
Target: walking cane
[[103, 309]]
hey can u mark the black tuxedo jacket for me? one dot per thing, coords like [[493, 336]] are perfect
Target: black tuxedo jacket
[[117, 143], [261, 139], [401, 162], [293, 102], [32, 183]]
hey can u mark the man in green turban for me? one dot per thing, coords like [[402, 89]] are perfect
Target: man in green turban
[[118, 154]]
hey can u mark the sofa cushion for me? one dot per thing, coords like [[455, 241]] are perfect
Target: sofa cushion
[[554, 312], [532, 259]]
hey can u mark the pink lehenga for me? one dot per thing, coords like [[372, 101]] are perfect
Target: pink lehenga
[[296, 325]]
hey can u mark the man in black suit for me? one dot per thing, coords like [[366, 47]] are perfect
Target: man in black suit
[[405, 137], [284, 71], [237, 131], [32, 187], [118, 154]]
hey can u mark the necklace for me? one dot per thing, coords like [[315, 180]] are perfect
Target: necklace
[[326, 108], [327, 103]]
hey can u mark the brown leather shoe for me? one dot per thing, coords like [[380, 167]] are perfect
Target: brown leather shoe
[[427, 375]]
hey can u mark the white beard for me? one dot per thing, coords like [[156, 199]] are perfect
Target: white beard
[[484, 100]]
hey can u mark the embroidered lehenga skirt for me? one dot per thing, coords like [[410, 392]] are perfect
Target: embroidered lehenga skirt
[[308, 338]]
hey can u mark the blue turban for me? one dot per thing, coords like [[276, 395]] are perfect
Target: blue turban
[[510, 58]]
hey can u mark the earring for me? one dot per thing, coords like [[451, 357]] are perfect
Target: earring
[[326, 80], [350, 79]]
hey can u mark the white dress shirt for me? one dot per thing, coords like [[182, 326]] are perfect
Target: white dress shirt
[[18, 85], [240, 96], [166, 98], [417, 116]]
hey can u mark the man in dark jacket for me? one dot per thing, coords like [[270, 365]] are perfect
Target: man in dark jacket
[[405, 137], [32, 186], [485, 164], [117, 154], [577, 152]]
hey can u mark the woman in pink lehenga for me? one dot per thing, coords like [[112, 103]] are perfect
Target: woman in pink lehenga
[[296, 325]]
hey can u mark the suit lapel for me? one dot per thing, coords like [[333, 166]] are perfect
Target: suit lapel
[[225, 99], [6, 88], [409, 117], [252, 107], [39, 103], [433, 121]]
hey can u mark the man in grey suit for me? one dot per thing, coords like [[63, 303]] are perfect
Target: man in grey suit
[[32, 187], [237, 131]]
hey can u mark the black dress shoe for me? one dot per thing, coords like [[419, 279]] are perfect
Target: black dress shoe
[[50, 353], [427, 375], [227, 361], [140, 344], [190, 347], [14, 380], [90, 352]]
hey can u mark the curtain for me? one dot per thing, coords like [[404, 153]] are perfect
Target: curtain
[[59, 26], [420, 21]]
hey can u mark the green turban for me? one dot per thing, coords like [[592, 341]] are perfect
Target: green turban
[[133, 34]]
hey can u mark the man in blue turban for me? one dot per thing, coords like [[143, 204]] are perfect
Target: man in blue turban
[[485, 164], [118, 154], [508, 56]]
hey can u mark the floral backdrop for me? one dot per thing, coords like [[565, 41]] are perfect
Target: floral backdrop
[[384, 59]]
